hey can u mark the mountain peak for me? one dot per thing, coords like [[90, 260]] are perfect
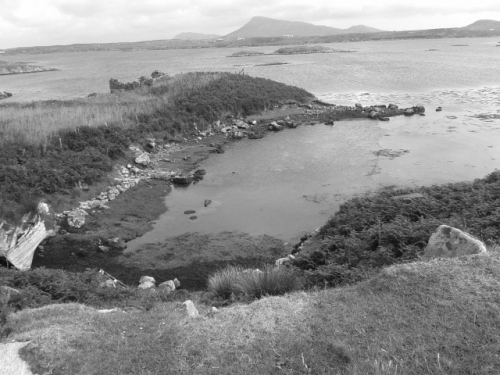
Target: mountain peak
[[260, 26]]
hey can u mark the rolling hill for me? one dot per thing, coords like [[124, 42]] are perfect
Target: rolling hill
[[269, 27], [196, 36], [484, 25]]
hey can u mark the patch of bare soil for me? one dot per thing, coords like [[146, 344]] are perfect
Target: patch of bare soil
[[10, 362]]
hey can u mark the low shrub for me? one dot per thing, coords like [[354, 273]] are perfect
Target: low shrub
[[235, 282], [376, 230]]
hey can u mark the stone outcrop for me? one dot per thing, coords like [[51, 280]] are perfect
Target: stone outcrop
[[76, 218], [5, 95], [191, 309], [147, 282], [449, 242]]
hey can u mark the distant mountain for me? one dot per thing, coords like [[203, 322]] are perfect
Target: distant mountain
[[484, 25], [196, 36], [269, 27], [361, 29]]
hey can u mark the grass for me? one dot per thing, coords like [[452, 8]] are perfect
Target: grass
[[234, 281], [48, 148], [376, 230], [437, 317]]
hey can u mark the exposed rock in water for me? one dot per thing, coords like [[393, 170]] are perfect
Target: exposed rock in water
[[207, 202], [449, 242], [189, 212]]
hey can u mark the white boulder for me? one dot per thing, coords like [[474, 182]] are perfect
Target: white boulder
[[449, 242]]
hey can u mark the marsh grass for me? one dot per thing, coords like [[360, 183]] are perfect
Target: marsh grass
[[253, 284], [437, 317], [39, 121]]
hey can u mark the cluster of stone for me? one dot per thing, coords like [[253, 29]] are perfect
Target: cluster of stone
[[149, 282], [5, 95]]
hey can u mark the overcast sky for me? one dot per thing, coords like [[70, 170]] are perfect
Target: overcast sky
[[48, 22]]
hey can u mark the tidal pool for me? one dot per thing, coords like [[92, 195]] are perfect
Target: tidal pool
[[290, 182]]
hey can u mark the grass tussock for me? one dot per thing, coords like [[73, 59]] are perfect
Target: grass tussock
[[438, 317], [236, 282]]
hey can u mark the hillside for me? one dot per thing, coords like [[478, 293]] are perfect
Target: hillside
[[484, 25], [437, 317], [269, 27], [195, 36]]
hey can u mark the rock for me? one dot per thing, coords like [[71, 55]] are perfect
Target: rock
[[143, 159], [162, 176], [108, 284], [358, 106], [237, 135], [5, 95], [182, 180], [177, 283], [189, 212], [200, 172], [43, 208], [167, 286], [329, 122], [111, 196], [449, 242], [103, 249], [76, 218], [383, 118], [191, 309], [116, 243], [408, 112], [207, 202], [393, 107], [146, 285], [291, 124], [419, 108], [226, 129], [284, 261], [274, 126], [253, 135], [373, 115], [94, 203], [194, 217], [241, 124], [148, 279], [439, 109]]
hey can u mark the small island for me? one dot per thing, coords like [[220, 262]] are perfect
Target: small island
[[295, 50], [298, 50], [8, 67], [246, 53]]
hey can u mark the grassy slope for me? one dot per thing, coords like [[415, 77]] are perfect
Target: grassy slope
[[47, 148], [376, 230], [439, 317]]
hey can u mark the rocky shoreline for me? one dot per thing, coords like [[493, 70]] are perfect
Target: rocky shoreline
[[94, 235], [25, 69], [5, 95]]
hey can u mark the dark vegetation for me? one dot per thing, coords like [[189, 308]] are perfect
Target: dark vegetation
[[41, 287], [378, 230], [84, 154]]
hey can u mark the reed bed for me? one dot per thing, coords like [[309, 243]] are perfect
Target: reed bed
[[35, 123]]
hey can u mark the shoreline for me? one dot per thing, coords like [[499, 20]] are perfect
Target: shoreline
[[131, 214]]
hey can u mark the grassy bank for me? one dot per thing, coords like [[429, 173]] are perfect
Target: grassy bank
[[439, 317], [49, 148], [381, 229]]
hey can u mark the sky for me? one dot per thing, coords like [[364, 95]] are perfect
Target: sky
[[26, 23]]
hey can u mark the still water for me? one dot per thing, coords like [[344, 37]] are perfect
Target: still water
[[291, 182]]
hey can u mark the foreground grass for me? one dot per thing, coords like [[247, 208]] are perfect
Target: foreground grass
[[439, 317]]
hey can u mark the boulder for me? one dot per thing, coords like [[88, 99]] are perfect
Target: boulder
[[408, 112], [285, 261], [177, 283], [182, 180], [143, 159], [147, 279], [189, 212], [419, 108], [439, 109], [76, 218], [167, 286], [207, 202], [237, 135], [103, 249], [146, 285], [274, 126], [191, 309], [163, 176], [241, 124], [43, 208], [449, 242]]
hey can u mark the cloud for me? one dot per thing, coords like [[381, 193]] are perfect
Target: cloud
[[79, 21]]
